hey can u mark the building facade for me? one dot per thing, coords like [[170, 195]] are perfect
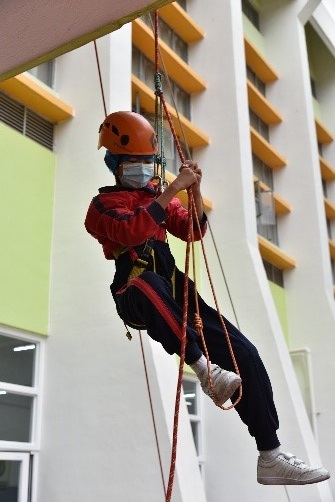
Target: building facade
[[254, 87]]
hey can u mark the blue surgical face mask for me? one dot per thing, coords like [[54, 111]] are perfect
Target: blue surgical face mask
[[136, 174]]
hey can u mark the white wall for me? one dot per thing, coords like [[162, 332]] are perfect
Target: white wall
[[222, 112], [311, 308]]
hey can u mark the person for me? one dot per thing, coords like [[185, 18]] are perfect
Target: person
[[130, 220]]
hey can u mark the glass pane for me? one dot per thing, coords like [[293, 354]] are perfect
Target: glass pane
[[333, 269], [262, 171], [270, 232], [256, 81], [183, 4], [9, 480], [195, 432], [181, 48], [258, 124], [44, 73], [165, 33], [251, 13], [17, 360], [15, 417], [182, 100], [136, 65], [148, 72], [190, 396]]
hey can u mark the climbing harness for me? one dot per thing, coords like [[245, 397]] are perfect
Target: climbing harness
[[143, 259]]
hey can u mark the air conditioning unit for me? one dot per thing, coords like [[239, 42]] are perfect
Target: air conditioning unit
[[265, 208]]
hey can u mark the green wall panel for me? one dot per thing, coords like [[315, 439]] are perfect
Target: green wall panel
[[26, 206], [279, 297], [178, 249]]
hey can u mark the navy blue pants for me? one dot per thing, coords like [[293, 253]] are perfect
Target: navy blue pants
[[150, 303]]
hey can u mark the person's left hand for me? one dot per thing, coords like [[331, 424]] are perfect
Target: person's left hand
[[197, 171]]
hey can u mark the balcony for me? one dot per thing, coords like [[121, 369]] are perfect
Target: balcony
[[256, 61], [177, 69], [274, 255], [179, 20], [266, 152], [38, 97]]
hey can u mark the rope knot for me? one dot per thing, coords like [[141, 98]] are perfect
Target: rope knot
[[158, 84]]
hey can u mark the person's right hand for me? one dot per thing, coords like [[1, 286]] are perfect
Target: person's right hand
[[185, 178]]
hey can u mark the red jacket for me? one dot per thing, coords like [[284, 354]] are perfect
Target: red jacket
[[121, 217]]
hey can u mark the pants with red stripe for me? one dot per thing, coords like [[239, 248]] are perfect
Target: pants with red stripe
[[148, 301]]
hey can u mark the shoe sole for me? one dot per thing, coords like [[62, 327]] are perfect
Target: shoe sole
[[284, 481]]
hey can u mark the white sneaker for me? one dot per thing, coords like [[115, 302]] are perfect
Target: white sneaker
[[225, 383], [286, 469]]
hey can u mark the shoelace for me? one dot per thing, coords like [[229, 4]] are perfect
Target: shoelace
[[293, 460], [216, 370]]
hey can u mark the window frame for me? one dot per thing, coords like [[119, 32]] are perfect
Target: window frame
[[198, 420], [251, 13], [141, 65], [45, 73], [23, 458], [33, 391]]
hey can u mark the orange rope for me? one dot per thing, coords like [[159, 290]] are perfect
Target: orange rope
[[182, 360], [198, 322]]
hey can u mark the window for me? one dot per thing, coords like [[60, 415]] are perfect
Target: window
[[19, 412], [313, 88], [324, 187], [333, 269], [191, 395], [262, 171], [250, 12], [171, 153], [169, 36], [267, 227], [329, 228], [26, 121], [258, 124], [251, 75], [274, 274], [265, 213], [44, 72], [270, 232], [18, 390], [170, 150], [144, 69], [183, 4], [14, 476]]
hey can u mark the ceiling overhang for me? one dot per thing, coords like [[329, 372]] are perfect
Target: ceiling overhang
[[36, 31]]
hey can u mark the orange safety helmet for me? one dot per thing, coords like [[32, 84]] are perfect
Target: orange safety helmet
[[127, 133]]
